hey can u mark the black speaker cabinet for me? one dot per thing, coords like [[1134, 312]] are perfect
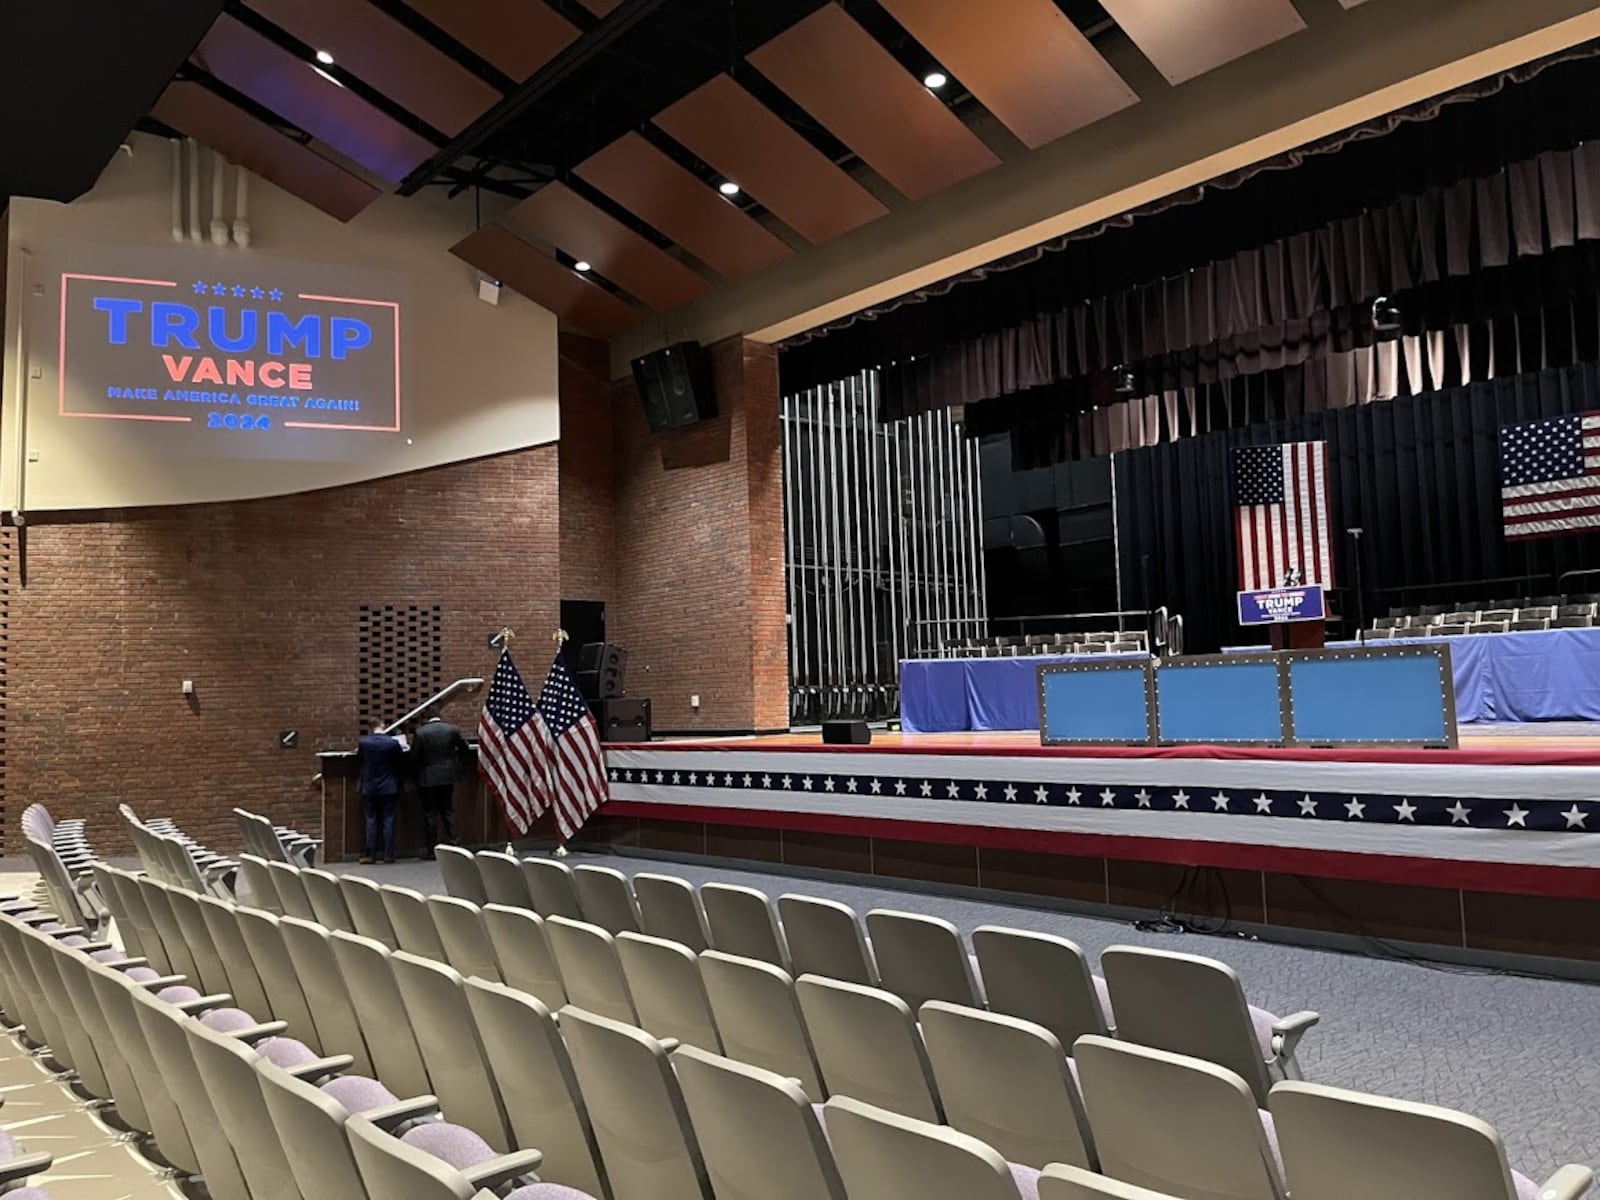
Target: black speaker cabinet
[[623, 720], [602, 671], [675, 385], [846, 733]]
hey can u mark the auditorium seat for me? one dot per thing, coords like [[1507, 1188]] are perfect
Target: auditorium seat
[[1446, 630], [1044, 979], [640, 1121], [1526, 625], [887, 1156], [414, 929], [522, 947], [669, 908], [1572, 623], [758, 1132], [606, 898], [1384, 635], [68, 897], [156, 901], [1177, 1124], [742, 922], [131, 917], [1007, 1082], [591, 971], [1507, 614], [256, 885], [375, 996], [1460, 617], [921, 958], [550, 888], [458, 869], [334, 1018], [464, 937], [292, 898], [1393, 621], [1576, 609], [533, 1072], [825, 938], [1337, 1144], [758, 1018], [1125, 647], [1062, 1182], [214, 973], [503, 879], [244, 980], [286, 998], [868, 1046], [414, 1168], [368, 913], [668, 993], [1488, 627], [1092, 648], [327, 898], [1213, 1023]]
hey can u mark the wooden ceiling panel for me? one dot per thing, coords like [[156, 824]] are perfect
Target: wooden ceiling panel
[[580, 305], [1196, 36], [560, 216], [382, 52], [667, 197], [1023, 59], [734, 132], [601, 8], [837, 71], [517, 36], [195, 110], [291, 87]]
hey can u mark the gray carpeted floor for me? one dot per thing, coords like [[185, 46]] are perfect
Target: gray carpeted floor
[[1522, 1054]]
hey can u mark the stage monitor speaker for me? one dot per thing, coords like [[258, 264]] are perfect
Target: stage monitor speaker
[[602, 671], [675, 385], [623, 720], [846, 733]]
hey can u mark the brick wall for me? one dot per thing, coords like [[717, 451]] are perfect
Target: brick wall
[[257, 603], [588, 473]]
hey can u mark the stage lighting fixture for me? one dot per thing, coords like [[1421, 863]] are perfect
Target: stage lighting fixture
[[1385, 315], [934, 80], [1123, 381]]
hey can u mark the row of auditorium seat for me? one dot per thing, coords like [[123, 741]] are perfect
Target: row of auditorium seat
[[1045, 643], [869, 1038], [1456, 623]]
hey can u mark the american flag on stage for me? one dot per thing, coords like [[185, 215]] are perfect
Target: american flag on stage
[[1550, 476], [543, 754], [1282, 515]]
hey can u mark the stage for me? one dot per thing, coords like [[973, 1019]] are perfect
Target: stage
[[1425, 838]]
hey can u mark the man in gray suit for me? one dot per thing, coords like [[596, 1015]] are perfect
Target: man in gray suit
[[437, 752]]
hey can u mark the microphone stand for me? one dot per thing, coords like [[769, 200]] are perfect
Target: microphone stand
[[1361, 599]]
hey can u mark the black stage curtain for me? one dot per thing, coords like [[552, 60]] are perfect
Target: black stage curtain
[[1420, 476]]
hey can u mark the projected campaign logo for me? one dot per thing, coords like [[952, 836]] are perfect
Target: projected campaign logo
[[238, 353]]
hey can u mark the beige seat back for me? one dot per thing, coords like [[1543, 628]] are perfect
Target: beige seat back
[[825, 938], [502, 879], [757, 1130], [606, 898], [414, 929], [368, 913], [256, 887], [391, 1168], [327, 899], [70, 1042], [1062, 1182], [1174, 1123], [227, 1070], [591, 971], [551, 889], [310, 949], [868, 1046], [1040, 978], [1212, 1023], [436, 1006], [466, 942], [538, 1089], [888, 1156], [280, 980], [214, 973], [244, 981], [312, 1122], [117, 1079], [758, 1018], [1338, 1143], [165, 1121], [742, 923], [669, 908], [396, 1059], [522, 948], [639, 1118], [668, 994], [176, 945], [459, 870], [132, 914], [134, 1070], [921, 958], [292, 897], [1006, 1082]]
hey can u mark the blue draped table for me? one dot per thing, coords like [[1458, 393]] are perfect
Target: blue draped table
[[1553, 675]]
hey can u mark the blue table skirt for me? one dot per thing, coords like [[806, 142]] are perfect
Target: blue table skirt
[[1552, 675]]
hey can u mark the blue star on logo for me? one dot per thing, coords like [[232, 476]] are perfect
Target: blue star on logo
[[276, 294], [219, 289], [256, 293], [200, 289], [238, 290]]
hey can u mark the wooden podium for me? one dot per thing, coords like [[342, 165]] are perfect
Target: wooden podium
[[1299, 635]]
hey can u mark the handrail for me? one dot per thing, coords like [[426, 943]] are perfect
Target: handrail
[[468, 687], [1561, 582]]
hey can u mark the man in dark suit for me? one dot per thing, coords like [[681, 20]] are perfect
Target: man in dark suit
[[382, 759], [437, 751]]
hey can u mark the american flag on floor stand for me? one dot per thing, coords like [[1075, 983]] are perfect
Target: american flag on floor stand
[[1282, 515], [1550, 476], [543, 754]]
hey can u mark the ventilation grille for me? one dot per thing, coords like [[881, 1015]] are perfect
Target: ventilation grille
[[401, 655]]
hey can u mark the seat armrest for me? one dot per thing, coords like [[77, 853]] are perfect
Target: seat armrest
[[1568, 1183], [166, 981], [91, 947], [202, 1003], [668, 1045], [321, 1068], [69, 931], [1286, 1035], [18, 1167], [401, 1111], [504, 1168], [259, 1033]]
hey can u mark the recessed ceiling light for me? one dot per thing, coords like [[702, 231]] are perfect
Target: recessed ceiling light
[[728, 187], [325, 58], [581, 265], [934, 80]]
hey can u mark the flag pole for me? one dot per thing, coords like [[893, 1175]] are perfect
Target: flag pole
[[559, 637], [502, 641]]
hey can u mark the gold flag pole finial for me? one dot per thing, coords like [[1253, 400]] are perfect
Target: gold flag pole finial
[[560, 636]]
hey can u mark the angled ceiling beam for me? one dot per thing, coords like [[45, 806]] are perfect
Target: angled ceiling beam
[[565, 64]]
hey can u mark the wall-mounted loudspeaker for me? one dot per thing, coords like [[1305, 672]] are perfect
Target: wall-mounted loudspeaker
[[602, 671], [675, 385]]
